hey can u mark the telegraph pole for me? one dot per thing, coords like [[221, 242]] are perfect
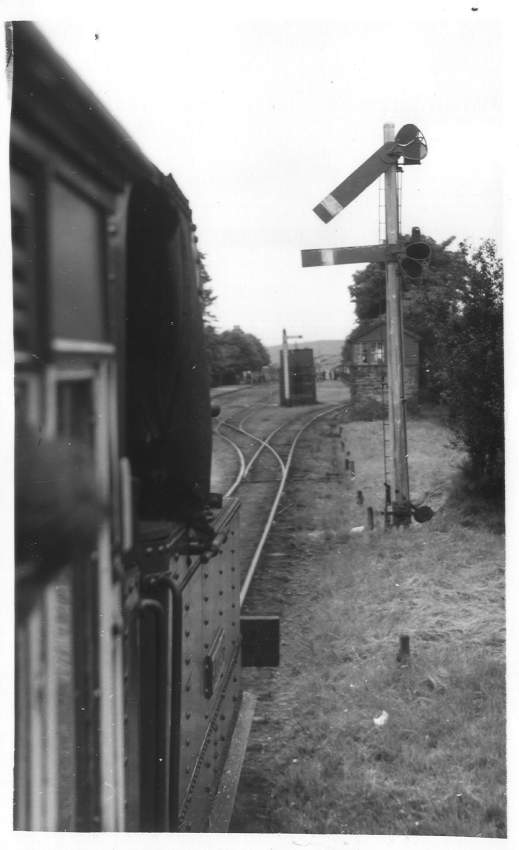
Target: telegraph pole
[[394, 352], [286, 376]]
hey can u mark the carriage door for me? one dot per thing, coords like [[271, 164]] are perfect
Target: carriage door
[[69, 739], [82, 393], [87, 616]]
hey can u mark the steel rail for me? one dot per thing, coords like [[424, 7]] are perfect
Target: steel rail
[[266, 530], [214, 393], [237, 481], [244, 469], [264, 444]]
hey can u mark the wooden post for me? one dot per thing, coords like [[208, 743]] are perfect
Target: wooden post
[[404, 649], [394, 354]]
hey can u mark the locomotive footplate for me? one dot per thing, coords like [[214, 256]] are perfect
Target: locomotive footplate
[[221, 811]]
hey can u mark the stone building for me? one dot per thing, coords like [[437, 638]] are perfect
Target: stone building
[[366, 361]]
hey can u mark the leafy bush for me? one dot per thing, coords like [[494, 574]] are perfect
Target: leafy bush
[[477, 501], [471, 345]]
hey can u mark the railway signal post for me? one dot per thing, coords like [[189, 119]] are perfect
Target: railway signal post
[[394, 353], [410, 145]]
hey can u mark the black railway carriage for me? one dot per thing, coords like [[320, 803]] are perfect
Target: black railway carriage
[[127, 648]]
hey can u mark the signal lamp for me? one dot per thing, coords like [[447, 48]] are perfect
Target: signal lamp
[[412, 144], [416, 254]]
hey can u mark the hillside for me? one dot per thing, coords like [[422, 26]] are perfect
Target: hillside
[[327, 352]]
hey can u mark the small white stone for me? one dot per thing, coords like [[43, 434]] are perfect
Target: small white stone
[[382, 719]]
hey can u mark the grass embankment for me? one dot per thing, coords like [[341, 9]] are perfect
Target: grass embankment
[[437, 766]]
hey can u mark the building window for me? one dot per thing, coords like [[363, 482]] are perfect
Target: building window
[[361, 353], [377, 352], [368, 353]]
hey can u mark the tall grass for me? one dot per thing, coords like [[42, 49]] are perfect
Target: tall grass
[[438, 765]]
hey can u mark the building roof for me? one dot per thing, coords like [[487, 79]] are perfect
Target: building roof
[[363, 330]]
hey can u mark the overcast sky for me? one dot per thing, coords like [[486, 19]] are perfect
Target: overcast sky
[[260, 114]]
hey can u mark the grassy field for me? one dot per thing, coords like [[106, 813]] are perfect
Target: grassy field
[[434, 763]]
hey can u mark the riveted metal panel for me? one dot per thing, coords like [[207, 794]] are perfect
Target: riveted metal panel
[[196, 806], [207, 731], [191, 721], [189, 606], [155, 631], [221, 610]]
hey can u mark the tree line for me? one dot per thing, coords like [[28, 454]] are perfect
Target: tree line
[[230, 353], [456, 308]]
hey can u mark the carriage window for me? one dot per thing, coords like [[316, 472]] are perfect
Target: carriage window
[[23, 231], [76, 253], [75, 414]]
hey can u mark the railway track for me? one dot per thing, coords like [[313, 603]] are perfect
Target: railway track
[[263, 439]]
